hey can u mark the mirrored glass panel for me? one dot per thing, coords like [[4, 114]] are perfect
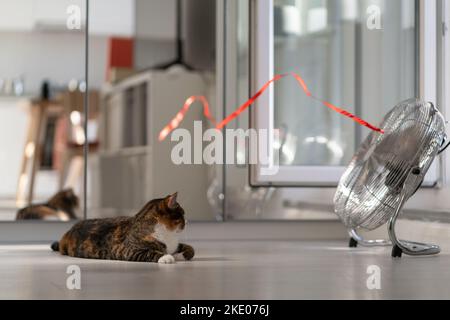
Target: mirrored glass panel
[[143, 67], [41, 104]]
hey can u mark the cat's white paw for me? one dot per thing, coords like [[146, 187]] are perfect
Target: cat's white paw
[[166, 259]]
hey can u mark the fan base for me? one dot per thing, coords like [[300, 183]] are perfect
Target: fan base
[[356, 239], [352, 243], [396, 252], [402, 246], [414, 249]]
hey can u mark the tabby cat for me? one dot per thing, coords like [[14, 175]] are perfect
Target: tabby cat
[[150, 236], [61, 206]]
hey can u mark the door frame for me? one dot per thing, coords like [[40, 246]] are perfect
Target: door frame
[[262, 113]]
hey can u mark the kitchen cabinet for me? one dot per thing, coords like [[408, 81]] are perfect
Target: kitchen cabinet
[[107, 18], [112, 18], [156, 19], [16, 15]]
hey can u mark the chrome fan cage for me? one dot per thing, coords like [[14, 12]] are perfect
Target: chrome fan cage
[[387, 170]]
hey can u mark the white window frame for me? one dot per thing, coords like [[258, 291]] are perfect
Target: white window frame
[[262, 114]]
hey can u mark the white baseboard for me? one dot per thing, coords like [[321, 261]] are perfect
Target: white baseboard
[[40, 232], [45, 232]]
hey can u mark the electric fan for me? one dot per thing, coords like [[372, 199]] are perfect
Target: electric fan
[[387, 170]]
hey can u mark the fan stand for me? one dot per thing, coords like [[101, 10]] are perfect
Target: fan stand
[[356, 238], [399, 246], [408, 247]]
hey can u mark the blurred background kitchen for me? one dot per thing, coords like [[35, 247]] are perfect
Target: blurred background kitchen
[[139, 75], [146, 57], [41, 93]]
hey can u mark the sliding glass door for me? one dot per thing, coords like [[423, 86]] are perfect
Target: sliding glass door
[[363, 56]]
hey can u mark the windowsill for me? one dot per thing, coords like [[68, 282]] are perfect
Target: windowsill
[[48, 231], [427, 215]]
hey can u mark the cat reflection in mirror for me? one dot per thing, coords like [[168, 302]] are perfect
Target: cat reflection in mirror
[[61, 207], [149, 236]]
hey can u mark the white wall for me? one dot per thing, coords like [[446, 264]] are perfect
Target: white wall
[[55, 56], [59, 56], [155, 19], [13, 129], [13, 122]]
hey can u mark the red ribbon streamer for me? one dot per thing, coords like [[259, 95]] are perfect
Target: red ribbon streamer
[[180, 115], [175, 122]]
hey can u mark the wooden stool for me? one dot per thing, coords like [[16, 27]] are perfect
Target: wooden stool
[[69, 159], [39, 113]]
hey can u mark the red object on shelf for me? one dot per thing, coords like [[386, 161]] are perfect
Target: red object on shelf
[[120, 54]]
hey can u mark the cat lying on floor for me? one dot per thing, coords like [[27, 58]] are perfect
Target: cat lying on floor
[[61, 206], [150, 236]]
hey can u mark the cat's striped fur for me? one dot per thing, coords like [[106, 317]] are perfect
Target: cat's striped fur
[[137, 238], [61, 206]]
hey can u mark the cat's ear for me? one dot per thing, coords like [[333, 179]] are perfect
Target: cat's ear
[[69, 193], [172, 201]]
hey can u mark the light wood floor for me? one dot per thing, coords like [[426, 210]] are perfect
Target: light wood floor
[[229, 270]]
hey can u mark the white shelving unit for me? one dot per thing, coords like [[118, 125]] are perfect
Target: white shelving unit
[[132, 114]]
